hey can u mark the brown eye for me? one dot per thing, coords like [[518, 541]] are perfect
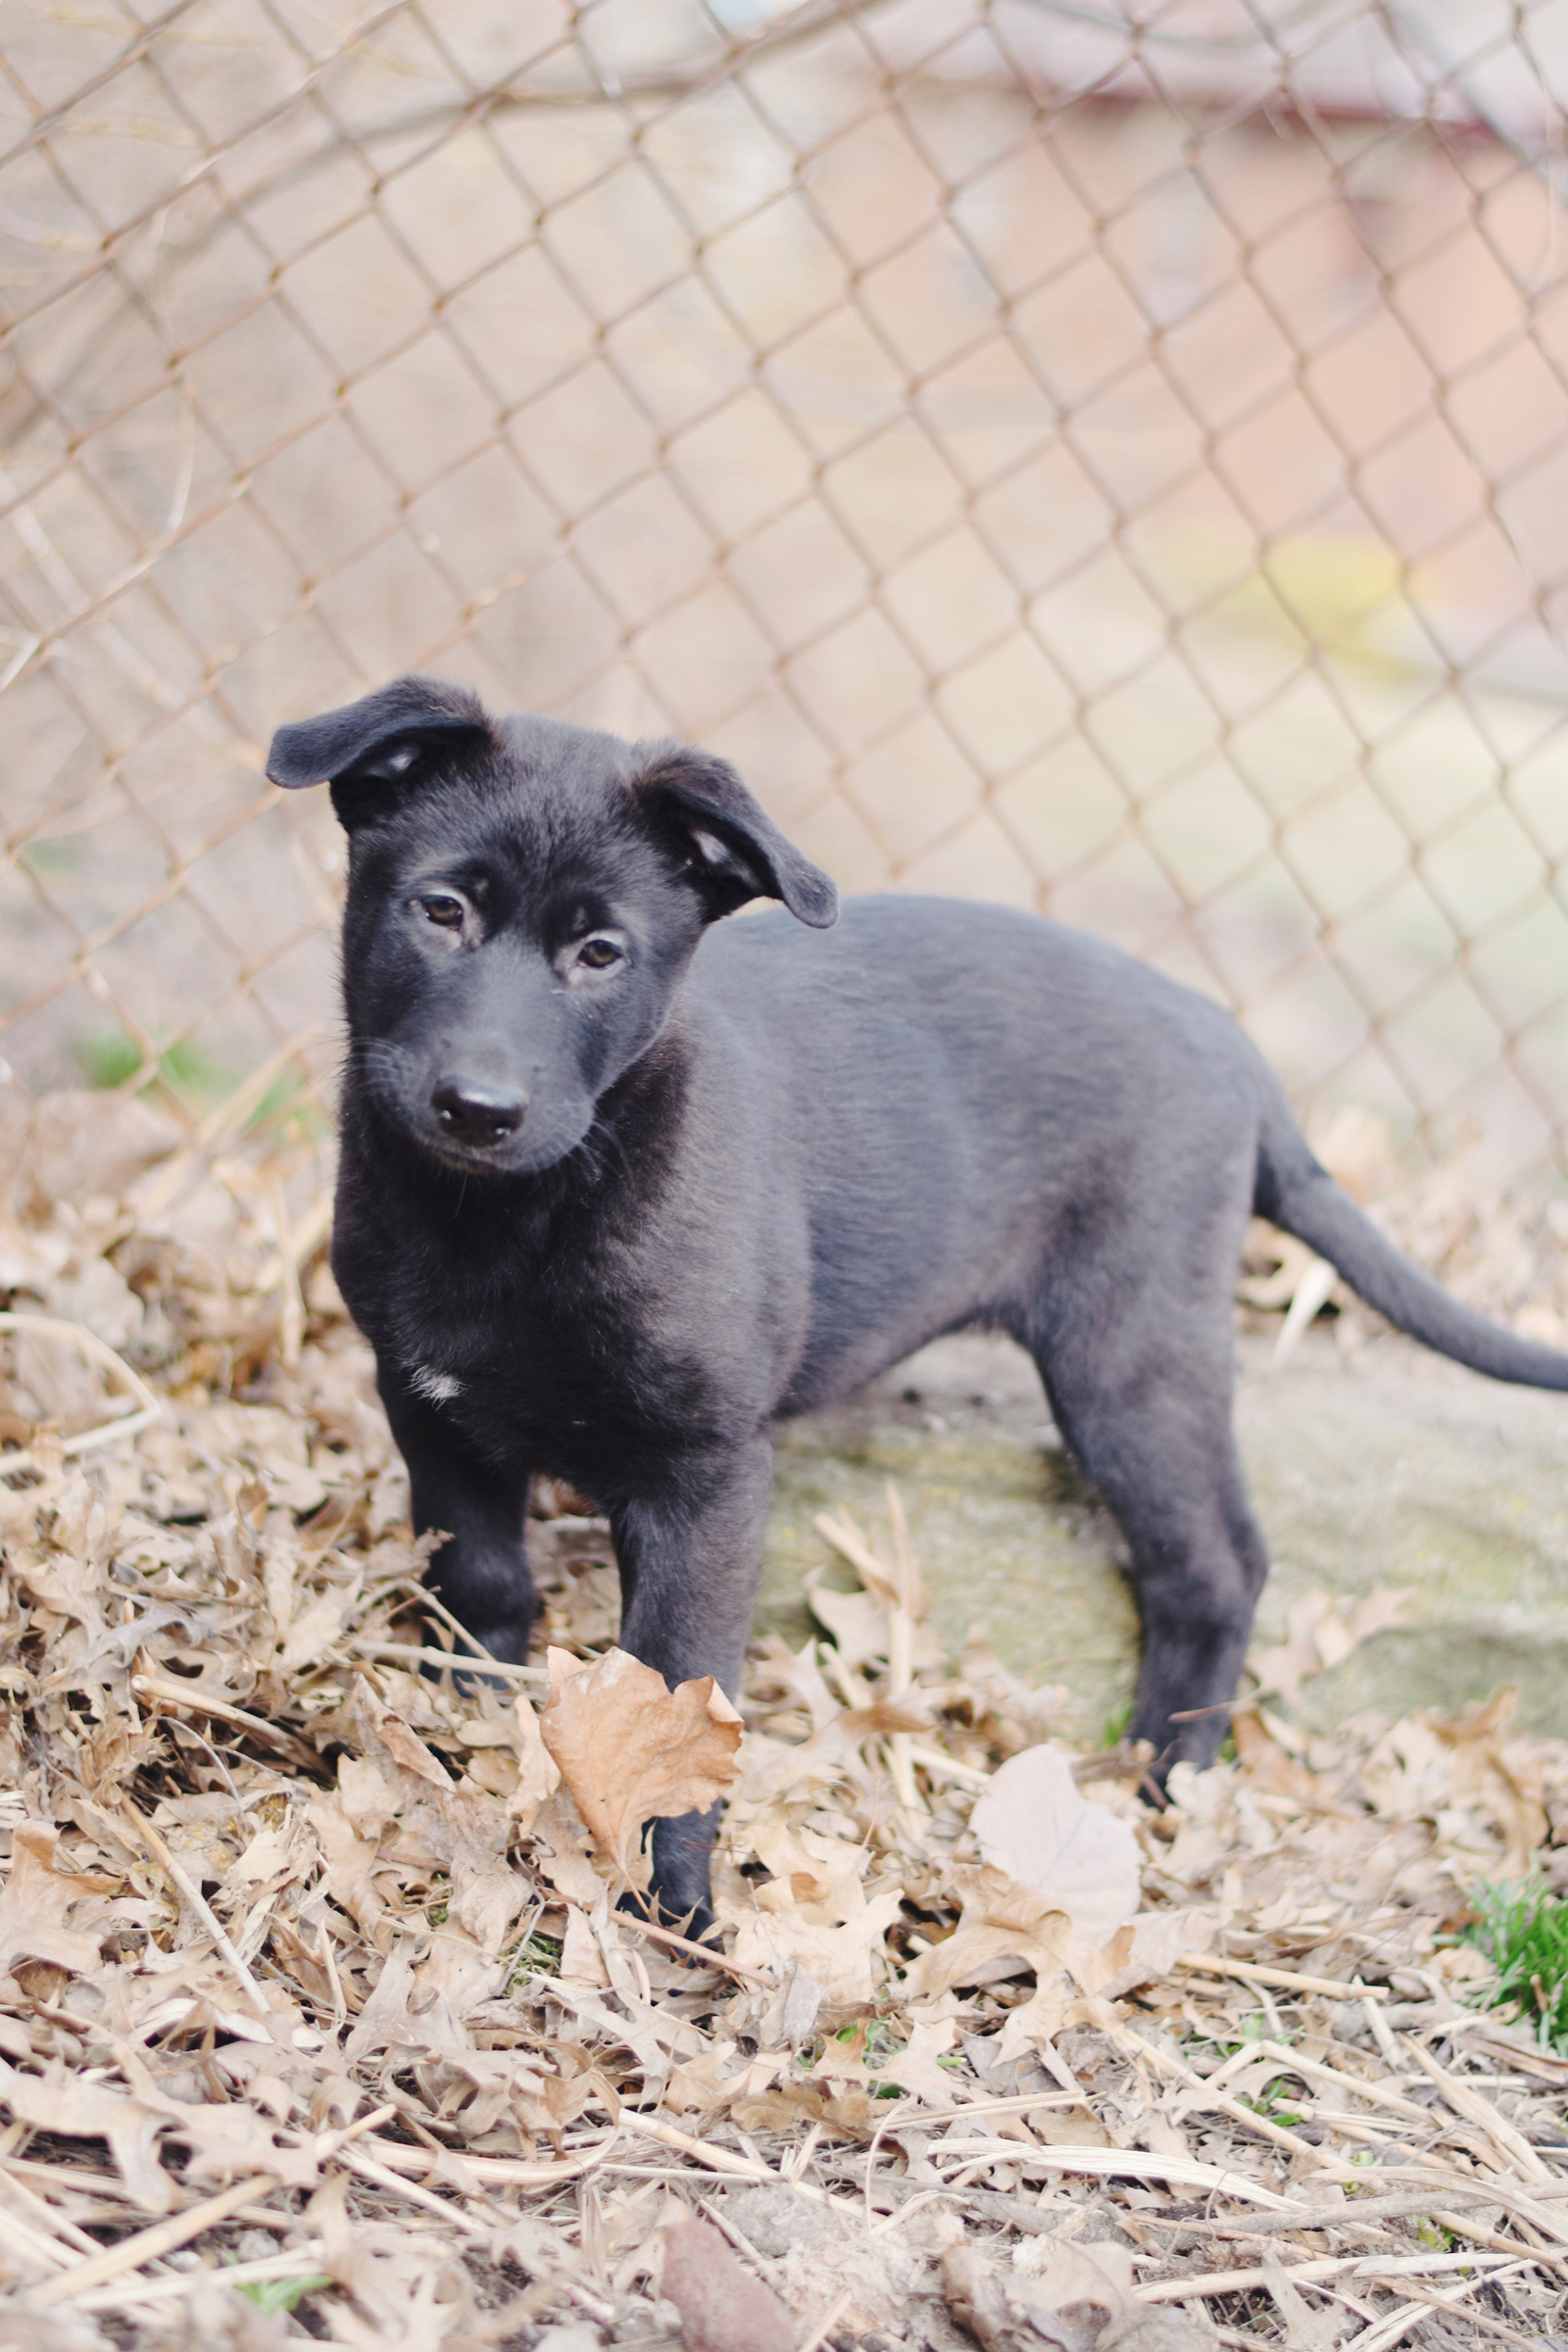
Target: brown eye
[[598, 954], [442, 908]]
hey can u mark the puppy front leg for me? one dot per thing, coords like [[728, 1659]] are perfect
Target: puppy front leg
[[481, 1572], [690, 1552]]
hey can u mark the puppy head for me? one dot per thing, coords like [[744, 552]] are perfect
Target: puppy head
[[524, 898]]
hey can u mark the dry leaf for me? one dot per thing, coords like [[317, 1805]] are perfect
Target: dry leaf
[[390, 1902], [36, 1900], [384, 2022], [815, 1913], [1069, 2306], [1322, 1631], [232, 2142], [706, 2084], [788, 2019], [632, 1751], [843, 1957], [1143, 1950], [440, 1823], [1007, 1929], [859, 1625], [1270, 1769], [350, 1860], [914, 2068], [1305, 2329], [538, 1775], [391, 1734], [1077, 2298], [558, 1834], [856, 1621], [1002, 1701], [1425, 1766], [1033, 1822], [581, 1960], [84, 2111]]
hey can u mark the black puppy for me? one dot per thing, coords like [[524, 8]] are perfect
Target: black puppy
[[621, 1185]]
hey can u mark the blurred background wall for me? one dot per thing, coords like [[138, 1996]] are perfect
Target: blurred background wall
[[1108, 457]]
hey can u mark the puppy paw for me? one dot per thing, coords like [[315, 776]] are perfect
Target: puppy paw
[[695, 1922]]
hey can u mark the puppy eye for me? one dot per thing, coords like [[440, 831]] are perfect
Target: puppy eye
[[442, 908], [598, 954]]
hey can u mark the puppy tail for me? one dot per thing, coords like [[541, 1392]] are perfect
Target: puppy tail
[[1297, 1194]]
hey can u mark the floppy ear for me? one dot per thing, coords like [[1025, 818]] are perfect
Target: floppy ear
[[732, 849], [372, 752]]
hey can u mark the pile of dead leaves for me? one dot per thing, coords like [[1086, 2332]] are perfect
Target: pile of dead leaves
[[318, 2018]]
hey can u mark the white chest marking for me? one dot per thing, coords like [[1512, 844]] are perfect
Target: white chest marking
[[439, 1387]]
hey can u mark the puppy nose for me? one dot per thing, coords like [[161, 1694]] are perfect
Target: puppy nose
[[477, 1113]]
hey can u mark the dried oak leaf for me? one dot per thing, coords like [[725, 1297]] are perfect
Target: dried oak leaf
[[842, 1955], [917, 2069], [1142, 1951], [84, 2111], [538, 1775], [1075, 2298], [818, 1912], [1270, 1769], [349, 1861], [558, 1848], [861, 1626], [1425, 1766], [1006, 1930], [231, 2142], [632, 1751], [722, 2308], [1032, 1822], [1323, 1632], [403, 2286], [1007, 2313], [840, 2108], [36, 1898], [425, 2005], [441, 1823]]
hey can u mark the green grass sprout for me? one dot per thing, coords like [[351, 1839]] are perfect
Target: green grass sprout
[[535, 1957], [1523, 1930], [1275, 2103], [281, 2295]]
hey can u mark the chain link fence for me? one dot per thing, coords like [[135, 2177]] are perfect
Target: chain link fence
[[1110, 457]]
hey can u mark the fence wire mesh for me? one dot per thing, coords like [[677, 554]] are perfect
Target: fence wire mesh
[[1108, 457]]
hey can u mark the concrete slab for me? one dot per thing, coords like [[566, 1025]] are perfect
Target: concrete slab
[[1387, 1467]]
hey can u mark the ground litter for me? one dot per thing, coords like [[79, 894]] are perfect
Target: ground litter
[[319, 2019]]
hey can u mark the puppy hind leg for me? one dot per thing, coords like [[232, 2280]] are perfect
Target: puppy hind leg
[[1154, 1437]]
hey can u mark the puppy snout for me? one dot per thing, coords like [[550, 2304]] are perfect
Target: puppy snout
[[473, 1112]]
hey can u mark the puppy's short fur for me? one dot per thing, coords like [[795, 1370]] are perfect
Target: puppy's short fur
[[622, 1184]]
